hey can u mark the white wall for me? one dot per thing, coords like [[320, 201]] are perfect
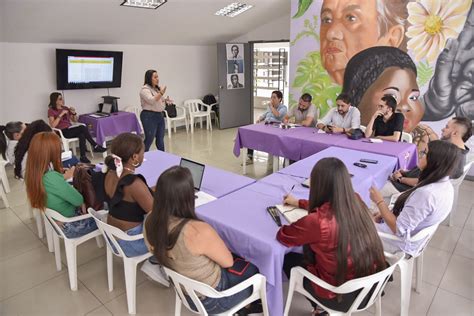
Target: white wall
[[29, 76], [274, 30]]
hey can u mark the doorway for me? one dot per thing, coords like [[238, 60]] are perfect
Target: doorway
[[270, 72]]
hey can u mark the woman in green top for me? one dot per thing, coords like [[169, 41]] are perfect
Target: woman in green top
[[46, 186]]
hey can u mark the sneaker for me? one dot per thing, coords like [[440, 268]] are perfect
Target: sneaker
[[99, 149], [156, 273], [84, 159]]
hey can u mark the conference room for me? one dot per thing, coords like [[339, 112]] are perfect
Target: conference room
[[265, 157]]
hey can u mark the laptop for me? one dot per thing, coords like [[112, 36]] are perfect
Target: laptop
[[106, 110], [197, 172]]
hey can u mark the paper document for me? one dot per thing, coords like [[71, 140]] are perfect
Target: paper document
[[203, 198], [291, 213], [376, 140]]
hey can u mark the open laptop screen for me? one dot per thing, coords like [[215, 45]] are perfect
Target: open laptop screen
[[197, 171]]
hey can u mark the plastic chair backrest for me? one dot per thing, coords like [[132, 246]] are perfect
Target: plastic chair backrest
[[110, 233], [363, 128], [457, 182], [193, 105], [191, 288], [407, 138]]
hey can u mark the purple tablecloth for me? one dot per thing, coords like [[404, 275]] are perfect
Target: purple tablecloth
[[374, 174], [216, 182], [243, 223], [116, 123], [310, 141], [405, 152]]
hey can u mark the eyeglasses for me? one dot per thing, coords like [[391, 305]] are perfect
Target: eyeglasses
[[423, 153]]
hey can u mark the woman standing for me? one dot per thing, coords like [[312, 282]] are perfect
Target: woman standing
[[336, 215], [153, 104], [62, 117]]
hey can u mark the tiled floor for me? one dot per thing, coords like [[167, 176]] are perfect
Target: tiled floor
[[30, 284]]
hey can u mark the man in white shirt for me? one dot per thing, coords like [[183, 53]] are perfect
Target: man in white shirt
[[305, 113], [342, 118]]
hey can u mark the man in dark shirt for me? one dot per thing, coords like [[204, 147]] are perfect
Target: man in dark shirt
[[386, 124], [457, 131]]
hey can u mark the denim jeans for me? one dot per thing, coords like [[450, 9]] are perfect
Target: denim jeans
[[135, 247], [70, 162], [79, 228], [228, 280], [154, 127]]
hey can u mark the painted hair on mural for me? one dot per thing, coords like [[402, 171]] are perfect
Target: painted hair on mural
[[366, 66]]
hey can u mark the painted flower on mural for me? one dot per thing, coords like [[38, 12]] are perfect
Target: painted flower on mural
[[432, 23]]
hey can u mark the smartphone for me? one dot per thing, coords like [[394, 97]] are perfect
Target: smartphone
[[272, 210], [369, 161], [239, 267], [361, 165]]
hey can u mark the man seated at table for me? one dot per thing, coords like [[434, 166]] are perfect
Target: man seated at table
[[457, 131], [275, 113], [341, 119], [305, 113], [386, 124]]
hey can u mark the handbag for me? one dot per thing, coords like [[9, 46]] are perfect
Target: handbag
[[90, 184], [356, 133], [171, 110]]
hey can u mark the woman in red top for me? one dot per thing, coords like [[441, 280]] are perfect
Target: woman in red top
[[62, 117], [339, 238]]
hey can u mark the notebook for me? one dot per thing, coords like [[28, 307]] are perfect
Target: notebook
[[291, 213]]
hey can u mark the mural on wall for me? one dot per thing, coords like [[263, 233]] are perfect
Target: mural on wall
[[428, 55]]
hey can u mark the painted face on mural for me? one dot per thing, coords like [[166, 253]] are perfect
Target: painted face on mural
[[401, 84], [347, 27]]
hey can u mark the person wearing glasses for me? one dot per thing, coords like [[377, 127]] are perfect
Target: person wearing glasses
[[386, 124], [457, 131], [341, 119]]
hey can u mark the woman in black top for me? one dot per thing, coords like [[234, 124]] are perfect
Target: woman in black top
[[386, 124], [127, 194]]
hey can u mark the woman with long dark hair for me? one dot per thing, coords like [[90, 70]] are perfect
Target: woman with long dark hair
[[62, 117], [21, 150], [426, 204], [9, 136], [339, 239], [153, 104], [187, 245]]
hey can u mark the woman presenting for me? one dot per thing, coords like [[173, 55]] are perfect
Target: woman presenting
[[153, 104]]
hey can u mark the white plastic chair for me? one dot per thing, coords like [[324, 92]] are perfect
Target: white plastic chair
[[365, 284], [70, 244], [3, 174], [213, 112], [3, 195], [406, 265], [137, 110], [111, 234], [69, 143], [194, 113], [407, 138], [192, 288], [363, 128], [181, 115], [456, 184]]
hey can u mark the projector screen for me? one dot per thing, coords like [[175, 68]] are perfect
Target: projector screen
[[81, 69]]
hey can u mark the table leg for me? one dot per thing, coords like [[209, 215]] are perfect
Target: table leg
[[244, 160], [276, 163]]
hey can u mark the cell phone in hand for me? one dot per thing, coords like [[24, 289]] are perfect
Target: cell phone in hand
[[360, 165], [239, 267], [369, 161]]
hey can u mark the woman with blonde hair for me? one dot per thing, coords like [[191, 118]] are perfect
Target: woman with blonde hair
[[46, 186]]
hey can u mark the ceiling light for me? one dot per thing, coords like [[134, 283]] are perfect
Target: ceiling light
[[145, 4], [234, 9]]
